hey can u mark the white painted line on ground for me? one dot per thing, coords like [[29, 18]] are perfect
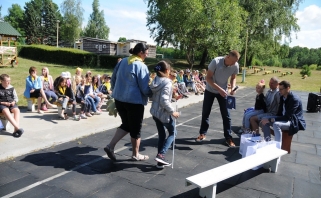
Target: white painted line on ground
[[87, 163], [185, 125]]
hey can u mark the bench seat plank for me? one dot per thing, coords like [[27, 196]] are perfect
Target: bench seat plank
[[215, 175]]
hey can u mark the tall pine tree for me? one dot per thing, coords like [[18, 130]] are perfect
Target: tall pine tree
[[40, 21], [96, 26]]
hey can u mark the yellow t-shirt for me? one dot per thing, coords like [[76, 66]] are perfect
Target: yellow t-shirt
[[107, 85]]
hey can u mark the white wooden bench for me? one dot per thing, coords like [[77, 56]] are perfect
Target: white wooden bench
[[267, 156]]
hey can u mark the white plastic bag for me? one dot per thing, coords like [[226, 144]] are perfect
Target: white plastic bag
[[252, 149], [246, 140]]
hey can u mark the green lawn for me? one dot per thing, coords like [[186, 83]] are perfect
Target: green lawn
[[310, 84], [19, 73]]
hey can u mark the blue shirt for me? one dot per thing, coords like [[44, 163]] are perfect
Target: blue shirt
[[36, 84], [129, 83]]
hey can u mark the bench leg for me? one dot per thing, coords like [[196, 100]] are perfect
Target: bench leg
[[208, 192], [273, 164], [6, 124], [31, 106], [59, 109]]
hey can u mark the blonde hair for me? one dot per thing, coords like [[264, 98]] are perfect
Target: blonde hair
[[47, 71]]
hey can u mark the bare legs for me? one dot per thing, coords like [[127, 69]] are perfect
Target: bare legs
[[254, 124], [119, 134], [14, 120], [135, 145]]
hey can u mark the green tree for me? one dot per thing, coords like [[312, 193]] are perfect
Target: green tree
[[33, 21], [15, 18], [122, 39], [96, 26], [267, 23], [193, 25], [72, 20], [40, 21], [49, 22], [305, 70]]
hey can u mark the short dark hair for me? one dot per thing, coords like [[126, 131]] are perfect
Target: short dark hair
[[32, 69], [3, 76], [235, 53], [139, 47], [285, 84]]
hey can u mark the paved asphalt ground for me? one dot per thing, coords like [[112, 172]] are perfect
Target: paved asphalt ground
[[80, 168]]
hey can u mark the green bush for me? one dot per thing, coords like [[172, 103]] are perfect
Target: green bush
[[319, 68], [305, 71], [64, 56], [313, 67], [106, 61], [257, 62]]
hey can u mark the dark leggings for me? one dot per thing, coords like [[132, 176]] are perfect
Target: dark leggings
[[131, 116]]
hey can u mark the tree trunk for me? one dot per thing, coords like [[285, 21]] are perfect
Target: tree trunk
[[249, 60], [204, 57], [189, 58]]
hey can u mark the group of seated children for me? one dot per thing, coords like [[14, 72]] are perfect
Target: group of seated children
[[183, 81], [86, 90]]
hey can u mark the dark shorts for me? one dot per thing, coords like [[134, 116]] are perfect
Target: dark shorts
[[131, 116], [35, 94], [2, 107]]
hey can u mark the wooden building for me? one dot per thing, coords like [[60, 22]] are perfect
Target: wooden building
[[101, 46], [97, 46], [123, 48], [8, 46]]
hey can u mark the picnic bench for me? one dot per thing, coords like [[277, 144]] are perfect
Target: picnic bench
[[207, 181]]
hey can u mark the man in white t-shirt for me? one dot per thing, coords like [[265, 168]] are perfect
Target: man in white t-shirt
[[219, 71]]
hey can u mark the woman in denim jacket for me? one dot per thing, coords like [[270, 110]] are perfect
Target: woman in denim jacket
[[130, 90]]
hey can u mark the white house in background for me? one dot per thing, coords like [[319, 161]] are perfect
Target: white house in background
[[101, 46]]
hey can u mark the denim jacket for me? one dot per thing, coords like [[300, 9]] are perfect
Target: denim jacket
[[36, 84], [129, 82]]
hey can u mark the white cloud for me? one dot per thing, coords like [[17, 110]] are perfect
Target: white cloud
[[138, 16], [310, 28]]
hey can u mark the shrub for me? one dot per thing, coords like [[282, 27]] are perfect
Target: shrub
[[106, 61], [257, 62], [64, 56], [313, 67], [319, 68], [305, 71]]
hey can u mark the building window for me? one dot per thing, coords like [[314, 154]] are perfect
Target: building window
[[100, 48], [96, 46], [78, 46]]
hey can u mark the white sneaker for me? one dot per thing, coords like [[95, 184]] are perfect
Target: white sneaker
[[83, 116], [97, 113]]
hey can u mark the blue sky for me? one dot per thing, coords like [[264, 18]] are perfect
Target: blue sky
[[127, 18]]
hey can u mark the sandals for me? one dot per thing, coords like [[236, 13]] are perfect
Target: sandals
[[18, 133], [63, 117], [140, 157]]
